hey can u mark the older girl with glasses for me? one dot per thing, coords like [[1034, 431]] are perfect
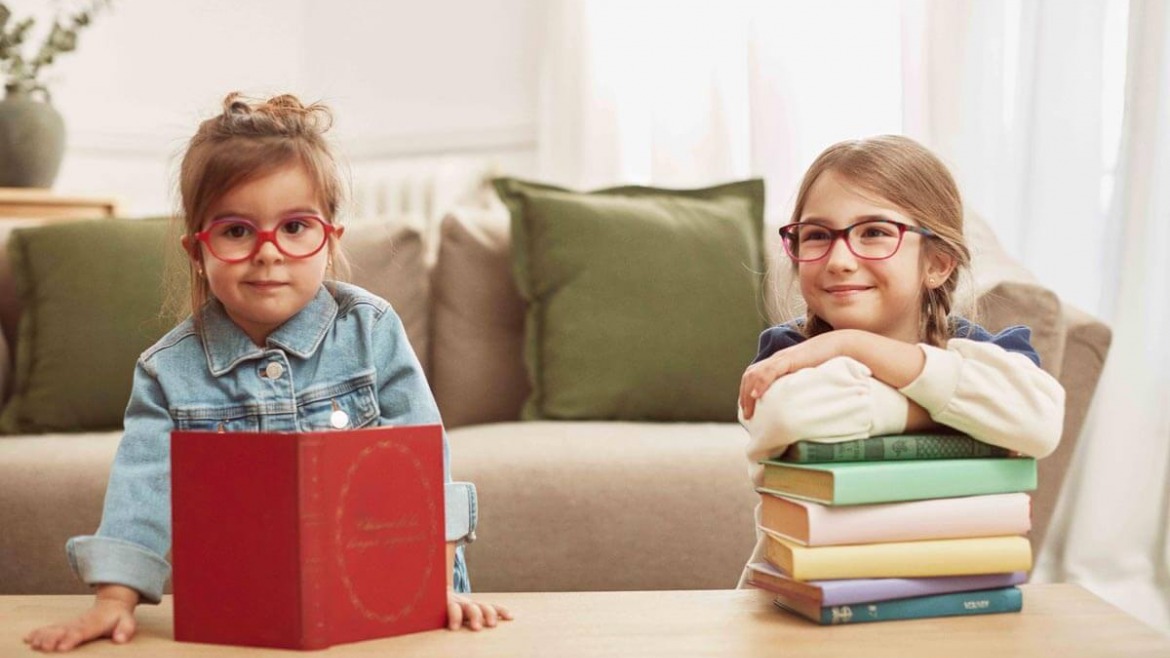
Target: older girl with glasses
[[876, 239], [268, 331]]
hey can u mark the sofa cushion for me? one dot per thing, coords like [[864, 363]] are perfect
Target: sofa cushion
[[1006, 293], [574, 506], [9, 304], [52, 487], [389, 258], [91, 294], [643, 303], [478, 323]]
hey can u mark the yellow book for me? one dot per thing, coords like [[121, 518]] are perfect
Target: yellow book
[[910, 559]]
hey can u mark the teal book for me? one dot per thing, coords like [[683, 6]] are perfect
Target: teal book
[[857, 483], [980, 602], [894, 447]]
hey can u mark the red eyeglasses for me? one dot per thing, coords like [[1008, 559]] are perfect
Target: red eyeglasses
[[234, 239], [872, 239]]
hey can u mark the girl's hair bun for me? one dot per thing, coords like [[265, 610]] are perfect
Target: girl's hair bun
[[284, 115]]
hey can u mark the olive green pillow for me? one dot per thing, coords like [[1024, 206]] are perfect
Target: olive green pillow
[[91, 294], [643, 303]]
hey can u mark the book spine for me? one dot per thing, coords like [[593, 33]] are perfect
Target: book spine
[[845, 592], [984, 602], [881, 482], [893, 447], [912, 559], [313, 538]]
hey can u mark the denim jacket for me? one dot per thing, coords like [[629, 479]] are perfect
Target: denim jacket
[[346, 347]]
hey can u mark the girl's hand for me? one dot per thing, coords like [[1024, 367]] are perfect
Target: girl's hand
[[809, 354], [109, 617], [463, 611]]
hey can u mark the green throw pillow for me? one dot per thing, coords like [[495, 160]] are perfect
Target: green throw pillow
[[643, 303], [91, 294]]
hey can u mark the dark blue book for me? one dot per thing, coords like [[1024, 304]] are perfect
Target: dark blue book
[[980, 602]]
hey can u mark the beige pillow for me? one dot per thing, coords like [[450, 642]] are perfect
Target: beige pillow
[[1007, 293], [389, 259], [477, 358]]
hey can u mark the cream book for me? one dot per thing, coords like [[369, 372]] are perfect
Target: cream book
[[911, 559], [814, 524]]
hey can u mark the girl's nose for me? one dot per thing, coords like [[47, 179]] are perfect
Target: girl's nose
[[840, 258], [268, 253]]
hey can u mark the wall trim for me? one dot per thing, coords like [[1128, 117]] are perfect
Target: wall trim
[[495, 139], [145, 145]]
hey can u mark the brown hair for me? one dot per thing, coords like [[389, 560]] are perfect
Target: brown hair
[[250, 139], [906, 174]]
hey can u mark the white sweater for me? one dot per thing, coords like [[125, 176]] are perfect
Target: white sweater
[[996, 396]]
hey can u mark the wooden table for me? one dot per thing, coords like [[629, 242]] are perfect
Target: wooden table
[[1058, 620], [37, 203]]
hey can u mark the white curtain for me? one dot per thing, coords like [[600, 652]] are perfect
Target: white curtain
[[1015, 97], [1021, 98], [1114, 509], [642, 92], [1015, 109], [684, 93]]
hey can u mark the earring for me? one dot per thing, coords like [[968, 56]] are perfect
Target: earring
[[930, 282]]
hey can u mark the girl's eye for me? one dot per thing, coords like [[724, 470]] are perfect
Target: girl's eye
[[813, 235], [877, 231], [236, 231], [297, 225]]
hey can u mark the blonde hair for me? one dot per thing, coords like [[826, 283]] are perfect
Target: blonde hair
[[250, 139], [906, 174]]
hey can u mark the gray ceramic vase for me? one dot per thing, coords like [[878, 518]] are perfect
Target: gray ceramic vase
[[32, 141]]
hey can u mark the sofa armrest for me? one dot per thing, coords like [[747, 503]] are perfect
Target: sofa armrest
[[1087, 342]]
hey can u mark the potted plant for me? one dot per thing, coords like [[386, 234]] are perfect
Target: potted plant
[[32, 133]]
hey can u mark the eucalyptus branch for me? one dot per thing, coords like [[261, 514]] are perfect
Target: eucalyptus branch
[[25, 74]]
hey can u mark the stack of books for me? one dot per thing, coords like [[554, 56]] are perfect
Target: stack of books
[[895, 527]]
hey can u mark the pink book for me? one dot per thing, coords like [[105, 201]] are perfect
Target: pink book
[[813, 524]]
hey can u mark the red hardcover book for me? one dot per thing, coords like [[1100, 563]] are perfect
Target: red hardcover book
[[305, 540]]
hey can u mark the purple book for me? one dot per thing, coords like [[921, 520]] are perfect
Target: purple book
[[866, 590]]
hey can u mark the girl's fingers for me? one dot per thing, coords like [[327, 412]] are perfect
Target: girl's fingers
[[474, 616], [490, 617], [454, 615], [503, 612], [124, 630]]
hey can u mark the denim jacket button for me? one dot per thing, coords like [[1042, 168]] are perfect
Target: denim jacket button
[[273, 370]]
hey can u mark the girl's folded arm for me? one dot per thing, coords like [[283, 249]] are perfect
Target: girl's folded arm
[[996, 396], [838, 400]]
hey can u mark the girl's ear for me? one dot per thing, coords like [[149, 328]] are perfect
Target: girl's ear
[[939, 266], [191, 249]]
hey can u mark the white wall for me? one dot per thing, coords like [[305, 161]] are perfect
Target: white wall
[[446, 86]]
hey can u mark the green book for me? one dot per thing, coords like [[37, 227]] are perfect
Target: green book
[[981, 602], [856, 483], [892, 447]]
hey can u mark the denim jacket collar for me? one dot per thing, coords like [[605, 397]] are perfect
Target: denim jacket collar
[[226, 345]]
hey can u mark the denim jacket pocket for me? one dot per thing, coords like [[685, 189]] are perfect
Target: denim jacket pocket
[[347, 405], [233, 418]]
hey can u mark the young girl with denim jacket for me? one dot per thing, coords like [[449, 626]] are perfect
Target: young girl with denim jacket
[[876, 240], [270, 345]]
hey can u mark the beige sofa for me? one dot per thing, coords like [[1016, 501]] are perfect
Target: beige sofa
[[564, 505]]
